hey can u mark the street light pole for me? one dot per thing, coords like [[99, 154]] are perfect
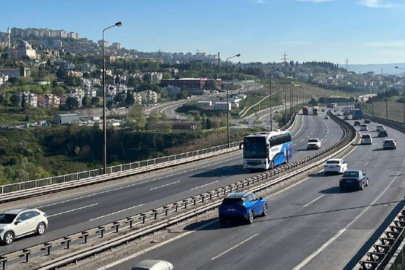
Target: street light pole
[[403, 93], [270, 114], [104, 104], [227, 99], [386, 103]]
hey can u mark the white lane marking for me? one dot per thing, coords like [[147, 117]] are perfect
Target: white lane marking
[[232, 248], [130, 185], [336, 236], [366, 163], [204, 185], [302, 140], [155, 246], [72, 210], [165, 185], [314, 200], [375, 153], [302, 124], [116, 212]]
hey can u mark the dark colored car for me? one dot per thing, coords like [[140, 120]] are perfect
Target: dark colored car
[[389, 144], [353, 179], [346, 118], [242, 206], [366, 121], [382, 133], [357, 123]]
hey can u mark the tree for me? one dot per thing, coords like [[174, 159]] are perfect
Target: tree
[[117, 79], [71, 103], [15, 99], [136, 119], [153, 120], [147, 78], [95, 101], [129, 100], [85, 101], [86, 75], [119, 98], [211, 85], [58, 90]]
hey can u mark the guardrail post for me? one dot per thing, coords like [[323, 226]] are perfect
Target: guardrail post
[[3, 262], [27, 253], [143, 218], [48, 247], [155, 213], [166, 210], [130, 221], [101, 229], [85, 236], [67, 241], [116, 226], [185, 202]]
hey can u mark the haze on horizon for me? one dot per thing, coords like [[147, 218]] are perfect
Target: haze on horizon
[[363, 31]]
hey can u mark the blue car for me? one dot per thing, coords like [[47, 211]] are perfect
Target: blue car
[[242, 206]]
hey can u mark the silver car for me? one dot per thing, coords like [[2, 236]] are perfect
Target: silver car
[[16, 223], [153, 265]]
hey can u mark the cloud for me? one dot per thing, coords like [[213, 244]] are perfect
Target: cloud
[[377, 3], [315, 1], [393, 43]]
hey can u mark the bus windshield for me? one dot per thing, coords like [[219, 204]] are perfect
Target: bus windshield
[[254, 147]]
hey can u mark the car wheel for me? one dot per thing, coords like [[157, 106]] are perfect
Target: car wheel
[[341, 189], [41, 228], [222, 221], [8, 238], [361, 187], [367, 183], [325, 173], [264, 210], [250, 219]]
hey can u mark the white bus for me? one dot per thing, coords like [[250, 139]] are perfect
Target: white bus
[[266, 150]]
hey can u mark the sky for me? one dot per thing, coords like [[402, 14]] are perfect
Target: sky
[[363, 31]]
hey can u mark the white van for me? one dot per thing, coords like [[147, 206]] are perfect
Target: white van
[[153, 265]]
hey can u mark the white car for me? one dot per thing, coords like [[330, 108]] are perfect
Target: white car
[[16, 223], [335, 166], [153, 265], [314, 143], [378, 128], [364, 128], [366, 139]]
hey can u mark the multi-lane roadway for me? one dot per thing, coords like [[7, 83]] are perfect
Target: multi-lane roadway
[[311, 225], [77, 211]]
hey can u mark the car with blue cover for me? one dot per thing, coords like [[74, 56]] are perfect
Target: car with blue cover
[[243, 206]]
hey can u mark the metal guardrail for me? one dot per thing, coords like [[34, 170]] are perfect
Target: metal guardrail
[[109, 170], [387, 252], [172, 212], [25, 190]]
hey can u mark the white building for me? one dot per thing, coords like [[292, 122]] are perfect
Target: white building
[[137, 98], [205, 103], [29, 98], [90, 92], [149, 96], [3, 79]]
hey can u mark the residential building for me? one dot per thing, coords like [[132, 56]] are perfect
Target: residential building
[[3, 79], [137, 98], [116, 45], [90, 92], [66, 118], [29, 98]]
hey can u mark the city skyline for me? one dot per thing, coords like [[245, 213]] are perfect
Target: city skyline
[[364, 31]]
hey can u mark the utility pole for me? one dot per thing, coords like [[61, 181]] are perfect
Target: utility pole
[[386, 103], [219, 61]]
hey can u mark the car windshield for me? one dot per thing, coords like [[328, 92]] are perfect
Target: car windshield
[[351, 174], [233, 201], [313, 140], [366, 136], [255, 147], [7, 218], [332, 162], [390, 141]]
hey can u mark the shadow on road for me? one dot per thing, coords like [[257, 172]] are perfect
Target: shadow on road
[[213, 227], [223, 171]]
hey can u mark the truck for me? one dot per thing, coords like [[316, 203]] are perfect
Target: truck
[[305, 110], [315, 110], [346, 111], [357, 114]]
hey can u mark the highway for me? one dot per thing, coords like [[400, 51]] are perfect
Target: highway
[[311, 225], [78, 211]]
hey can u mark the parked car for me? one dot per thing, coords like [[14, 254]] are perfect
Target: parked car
[[366, 121], [364, 128], [382, 133], [16, 223], [366, 139], [354, 179], [242, 206], [336, 165], [389, 144], [153, 265], [378, 128], [357, 123], [314, 143]]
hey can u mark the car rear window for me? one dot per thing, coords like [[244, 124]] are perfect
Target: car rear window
[[390, 141], [351, 174], [313, 140], [233, 201], [7, 218], [364, 125], [332, 162], [366, 136]]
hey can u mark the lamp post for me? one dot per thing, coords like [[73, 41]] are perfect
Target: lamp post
[[227, 98], [403, 93], [270, 114], [104, 104]]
